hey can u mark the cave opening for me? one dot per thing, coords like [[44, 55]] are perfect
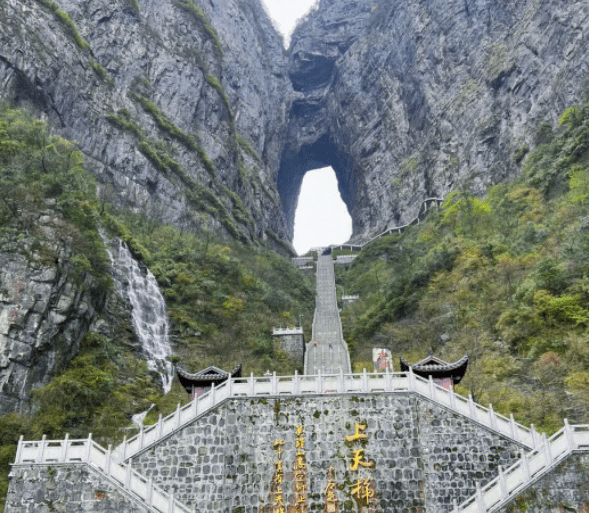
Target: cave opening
[[317, 154], [321, 217]]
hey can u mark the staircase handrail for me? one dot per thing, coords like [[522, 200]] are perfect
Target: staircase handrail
[[86, 451], [388, 231], [300, 385], [495, 494]]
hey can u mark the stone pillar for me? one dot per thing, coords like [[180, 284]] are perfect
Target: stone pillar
[[291, 342]]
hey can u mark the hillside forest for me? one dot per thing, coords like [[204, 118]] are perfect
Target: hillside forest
[[504, 278]]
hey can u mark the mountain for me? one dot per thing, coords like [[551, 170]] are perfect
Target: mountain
[[418, 98], [179, 108], [184, 128]]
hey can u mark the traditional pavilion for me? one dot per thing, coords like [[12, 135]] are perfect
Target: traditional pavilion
[[445, 374], [201, 382]]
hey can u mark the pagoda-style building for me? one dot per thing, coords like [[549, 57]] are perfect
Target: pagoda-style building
[[201, 382], [445, 374]]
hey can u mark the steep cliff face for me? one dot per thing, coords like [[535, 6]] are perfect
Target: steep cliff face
[[413, 99], [179, 106], [46, 304]]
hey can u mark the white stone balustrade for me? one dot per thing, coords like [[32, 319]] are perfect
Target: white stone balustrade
[[302, 261], [86, 451], [297, 385], [546, 453], [531, 467]]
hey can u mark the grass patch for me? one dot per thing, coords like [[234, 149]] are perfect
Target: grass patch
[[66, 22], [192, 8]]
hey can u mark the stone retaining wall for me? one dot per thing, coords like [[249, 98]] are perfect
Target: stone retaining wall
[[564, 489], [65, 489], [293, 345], [416, 455]]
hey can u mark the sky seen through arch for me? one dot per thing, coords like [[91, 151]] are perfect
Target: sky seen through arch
[[322, 217]]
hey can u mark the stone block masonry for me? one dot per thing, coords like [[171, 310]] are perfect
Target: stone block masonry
[[292, 343], [415, 454], [565, 488], [66, 489]]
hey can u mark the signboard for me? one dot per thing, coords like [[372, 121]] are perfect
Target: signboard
[[382, 359]]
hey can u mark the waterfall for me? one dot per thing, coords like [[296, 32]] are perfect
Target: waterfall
[[150, 322]]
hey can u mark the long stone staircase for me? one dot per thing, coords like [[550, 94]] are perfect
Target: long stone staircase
[[327, 353], [327, 373], [115, 464]]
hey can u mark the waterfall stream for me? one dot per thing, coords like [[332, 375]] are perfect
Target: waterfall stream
[[150, 322]]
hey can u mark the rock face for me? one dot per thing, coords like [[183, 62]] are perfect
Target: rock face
[[179, 107], [413, 99], [45, 309], [192, 112]]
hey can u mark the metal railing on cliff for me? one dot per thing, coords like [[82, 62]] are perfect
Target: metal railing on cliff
[[426, 206]]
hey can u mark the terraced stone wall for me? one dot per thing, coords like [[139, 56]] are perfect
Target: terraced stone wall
[[565, 488], [412, 455], [65, 488]]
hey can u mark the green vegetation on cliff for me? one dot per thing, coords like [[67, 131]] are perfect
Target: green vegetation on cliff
[[504, 278], [223, 298]]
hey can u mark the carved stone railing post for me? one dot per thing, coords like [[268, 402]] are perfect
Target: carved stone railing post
[[570, 436], [452, 398], [526, 467], [66, 444], [41, 455], [480, 500], [431, 387], [149, 491], [89, 447], [503, 491], [108, 460], [491, 417], [177, 414], [513, 427], [195, 405], [141, 435], [547, 450], [472, 409], [124, 448], [252, 385], [128, 474], [21, 441]]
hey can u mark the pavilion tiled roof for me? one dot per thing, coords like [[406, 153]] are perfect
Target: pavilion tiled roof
[[206, 376], [437, 368]]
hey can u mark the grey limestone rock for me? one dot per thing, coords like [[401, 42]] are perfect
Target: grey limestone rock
[[417, 98], [45, 309], [228, 91]]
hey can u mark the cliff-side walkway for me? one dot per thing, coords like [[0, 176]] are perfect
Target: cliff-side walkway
[[327, 353]]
